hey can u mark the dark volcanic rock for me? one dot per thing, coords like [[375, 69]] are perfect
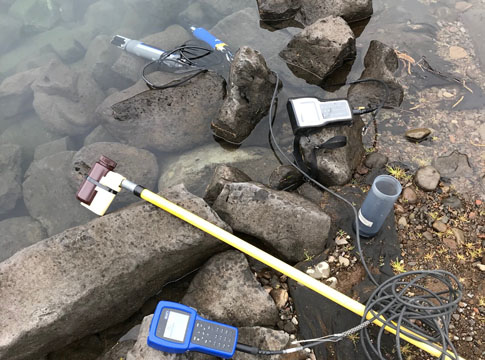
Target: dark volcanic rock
[[251, 86], [454, 165], [287, 223], [223, 174], [334, 166], [376, 160], [330, 40], [427, 178], [306, 12], [168, 120], [228, 273], [285, 177], [380, 63], [87, 279]]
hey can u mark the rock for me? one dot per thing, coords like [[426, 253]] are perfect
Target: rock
[[66, 100], [129, 66], [159, 125], [141, 351], [36, 15], [418, 134], [334, 167], [290, 225], [200, 14], [380, 63], [9, 32], [251, 87], [280, 297], [228, 273], [10, 172], [18, 233], [454, 165], [343, 261], [459, 236], [28, 133], [99, 134], [439, 226], [457, 52], [306, 12], [290, 328], [403, 223], [330, 40], [322, 270], [285, 177], [262, 338], [428, 236], [450, 243], [137, 165], [68, 44], [223, 174], [452, 202], [427, 178], [376, 160], [196, 167], [53, 147], [332, 282], [480, 267], [119, 351], [100, 57], [16, 95], [86, 279], [409, 195], [45, 177], [340, 241]]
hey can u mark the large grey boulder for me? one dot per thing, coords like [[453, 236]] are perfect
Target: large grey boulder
[[306, 12], [16, 95], [290, 225], [137, 165], [10, 172], [18, 233], [262, 338], [195, 168], [223, 174], [66, 100], [380, 63], [94, 276], [251, 87], [9, 32], [334, 166], [50, 195], [36, 15], [226, 290], [168, 120], [53, 147], [320, 48]]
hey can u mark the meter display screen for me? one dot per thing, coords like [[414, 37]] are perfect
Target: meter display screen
[[332, 110], [173, 325], [308, 113]]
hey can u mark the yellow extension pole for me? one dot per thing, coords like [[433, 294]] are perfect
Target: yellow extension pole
[[273, 262]]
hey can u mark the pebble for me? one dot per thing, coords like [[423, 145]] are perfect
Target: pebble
[[450, 243], [290, 328], [439, 226], [343, 261], [469, 338], [459, 236], [457, 52], [399, 209], [448, 95], [331, 259], [428, 236], [480, 267], [452, 202], [402, 222], [444, 219], [280, 297], [418, 134], [375, 160], [294, 320], [427, 178], [456, 317], [341, 241], [323, 269], [409, 195], [332, 282]]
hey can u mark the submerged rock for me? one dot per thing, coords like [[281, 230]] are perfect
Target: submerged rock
[[454, 165], [87, 279], [330, 40], [306, 12], [10, 31], [195, 168], [251, 87], [168, 120], [10, 172], [36, 15], [223, 174], [244, 301], [380, 63], [99, 134], [18, 233], [53, 147], [427, 178], [292, 226], [334, 166]]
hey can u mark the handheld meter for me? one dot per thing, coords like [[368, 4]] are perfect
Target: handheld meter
[[176, 328]]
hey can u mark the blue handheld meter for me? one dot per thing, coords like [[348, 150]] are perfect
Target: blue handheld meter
[[176, 328]]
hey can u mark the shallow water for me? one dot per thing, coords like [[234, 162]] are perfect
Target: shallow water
[[416, 28]]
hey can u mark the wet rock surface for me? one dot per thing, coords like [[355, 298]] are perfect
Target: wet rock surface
[[228, 273], [255, 210], [18, 233], [250, 89], [10, 173], [168, 120], [86, 279], [223, 174], [380, 63], [375, 160], [334, 166], [330, 40], [306, 12], [417, 134], [53, 147], [285, 177], [196, 167], [454, 165]]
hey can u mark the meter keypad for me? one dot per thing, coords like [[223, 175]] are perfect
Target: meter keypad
[[215, 336]]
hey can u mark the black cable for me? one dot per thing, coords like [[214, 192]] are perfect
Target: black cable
[[404, 299]]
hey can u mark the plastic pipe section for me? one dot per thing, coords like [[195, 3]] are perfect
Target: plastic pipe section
[[275, 263]]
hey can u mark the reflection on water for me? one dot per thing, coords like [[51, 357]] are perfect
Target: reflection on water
[[50, 115]]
